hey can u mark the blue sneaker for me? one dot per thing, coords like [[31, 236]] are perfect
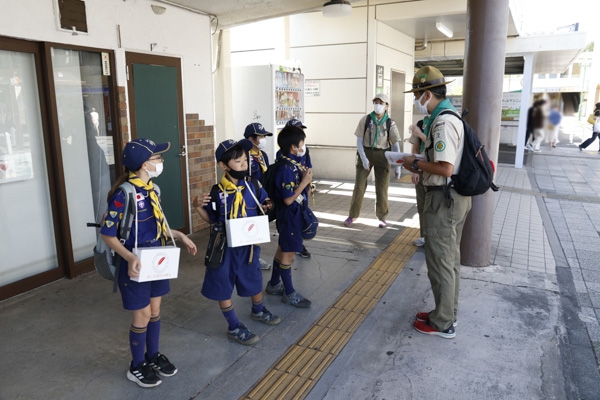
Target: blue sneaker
[[296, 299], [242, 335], [266, 317], [276, 290]]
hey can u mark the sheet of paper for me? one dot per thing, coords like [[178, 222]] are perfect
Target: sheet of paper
[[395, 157]]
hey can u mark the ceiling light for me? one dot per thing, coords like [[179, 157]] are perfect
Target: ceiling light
[[337, 8], [158, 10], [444, 29]]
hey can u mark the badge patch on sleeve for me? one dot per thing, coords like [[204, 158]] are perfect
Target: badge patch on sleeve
[[440, 145]]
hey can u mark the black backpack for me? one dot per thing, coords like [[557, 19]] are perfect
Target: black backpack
[[476, 170]]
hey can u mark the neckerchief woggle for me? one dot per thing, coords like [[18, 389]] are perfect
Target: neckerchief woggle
[[161, 226]]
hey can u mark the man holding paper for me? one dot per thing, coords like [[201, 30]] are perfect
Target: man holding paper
[[445, 210]]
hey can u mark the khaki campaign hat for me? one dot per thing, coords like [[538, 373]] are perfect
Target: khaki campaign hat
[[427, 77]]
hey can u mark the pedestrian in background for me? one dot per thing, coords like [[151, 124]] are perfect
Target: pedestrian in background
[[538, 119], [554, 119], [595, 129]]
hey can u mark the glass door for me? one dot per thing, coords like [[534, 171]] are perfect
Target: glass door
[[85, 124], [27, 240]]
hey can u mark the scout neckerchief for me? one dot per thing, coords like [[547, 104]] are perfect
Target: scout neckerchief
[[444, 105], [377, 125], [227, 187], [257, 155], [161, 226], [294, 163], [301, 168]]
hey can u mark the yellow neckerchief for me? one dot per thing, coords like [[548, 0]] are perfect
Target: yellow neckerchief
[[257, 155], [161, 225], [227, 187]]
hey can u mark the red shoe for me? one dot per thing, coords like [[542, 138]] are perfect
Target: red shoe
[[424, 327], [424, 316]]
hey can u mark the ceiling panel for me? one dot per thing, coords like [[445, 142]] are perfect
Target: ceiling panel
[[414, 18]]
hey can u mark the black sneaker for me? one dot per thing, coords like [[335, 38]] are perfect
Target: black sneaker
[[161, 365], [304, 253], [143, 375]]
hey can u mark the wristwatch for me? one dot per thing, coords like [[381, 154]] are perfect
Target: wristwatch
[[414, 165]]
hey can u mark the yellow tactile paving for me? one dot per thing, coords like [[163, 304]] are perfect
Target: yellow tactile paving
[[405, 179], [298, 370]]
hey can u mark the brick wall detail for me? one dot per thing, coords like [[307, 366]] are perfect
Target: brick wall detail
[[201, 162]]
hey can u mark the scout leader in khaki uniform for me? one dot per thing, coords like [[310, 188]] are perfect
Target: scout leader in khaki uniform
[[445, 210], [371, 145]]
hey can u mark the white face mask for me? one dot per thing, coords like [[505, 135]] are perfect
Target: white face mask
[[378, 108], [262, 143], [302, 151], [422, 108], [159, 169]]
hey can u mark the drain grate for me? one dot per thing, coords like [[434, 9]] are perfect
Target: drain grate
[[299, 369]]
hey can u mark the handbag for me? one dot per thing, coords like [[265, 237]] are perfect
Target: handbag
[[217, 242], [310, 223], [248, 230], [159, 262], [591, 119]]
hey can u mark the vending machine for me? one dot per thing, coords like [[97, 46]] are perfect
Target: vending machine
[[268, 94]]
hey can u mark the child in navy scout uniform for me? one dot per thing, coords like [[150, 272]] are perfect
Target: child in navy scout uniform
[[143, 161], [292, 181], [305, 161], [259, 161], [239, 267]]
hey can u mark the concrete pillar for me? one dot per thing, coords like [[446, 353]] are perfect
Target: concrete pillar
[[487, 27]]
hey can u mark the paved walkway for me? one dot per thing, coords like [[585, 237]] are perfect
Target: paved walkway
[[528, 324]]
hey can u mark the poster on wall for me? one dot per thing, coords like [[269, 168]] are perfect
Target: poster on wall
[[312, 88], [15, 166], [511, 106], [379, 77]]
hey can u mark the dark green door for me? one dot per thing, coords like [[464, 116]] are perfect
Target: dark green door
[[155, 107]]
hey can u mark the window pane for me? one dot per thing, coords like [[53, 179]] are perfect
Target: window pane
[[29, 247]]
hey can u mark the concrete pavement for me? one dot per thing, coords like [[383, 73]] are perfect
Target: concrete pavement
[[528, 325]]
